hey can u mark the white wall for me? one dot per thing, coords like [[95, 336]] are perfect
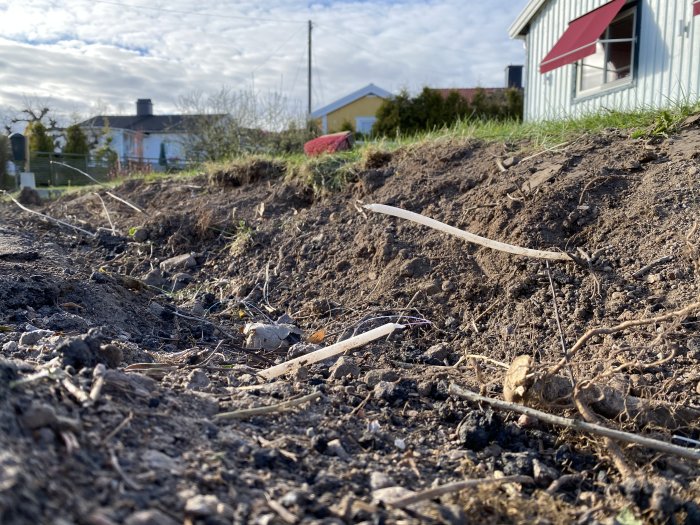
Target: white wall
[[668, 66]]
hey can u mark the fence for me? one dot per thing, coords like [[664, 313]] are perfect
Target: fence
[[47, 171]]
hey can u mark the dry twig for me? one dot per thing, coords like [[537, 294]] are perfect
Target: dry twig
[[270, 409], [581, 426], [467, 236], [49, 218]]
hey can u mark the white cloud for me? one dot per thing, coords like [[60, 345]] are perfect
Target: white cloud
[[79, 52]]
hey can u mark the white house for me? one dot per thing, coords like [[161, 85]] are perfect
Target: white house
[[587, 55], [143, 138]]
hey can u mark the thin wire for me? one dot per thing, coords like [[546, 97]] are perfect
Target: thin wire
[[267, 59], [197, 13], [561, 332]]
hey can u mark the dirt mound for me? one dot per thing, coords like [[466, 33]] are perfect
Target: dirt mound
[[148, 425]]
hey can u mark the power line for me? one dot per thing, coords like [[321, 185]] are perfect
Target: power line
[[198, 13]]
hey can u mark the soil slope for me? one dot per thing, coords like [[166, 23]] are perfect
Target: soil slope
[[120, 351]]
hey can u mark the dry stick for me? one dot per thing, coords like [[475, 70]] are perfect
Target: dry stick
[[57, 221], [644, 269], [109, 217], [330, 351], [98, 375], [578, 425], [119, 427], [545, 151], [467, 236], [115, 464], [561, 332], [270, 409], [684, 312], [75, 391], [618, 456], [457, 486], [115, 197]]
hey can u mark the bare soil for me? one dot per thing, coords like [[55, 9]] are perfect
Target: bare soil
[[78, 312]]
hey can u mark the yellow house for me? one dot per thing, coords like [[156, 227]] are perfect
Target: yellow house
[[358, 108]]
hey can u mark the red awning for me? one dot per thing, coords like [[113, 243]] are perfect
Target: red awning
[[579, 40], [696, 8]]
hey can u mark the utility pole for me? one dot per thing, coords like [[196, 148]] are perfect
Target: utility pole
[[309, 73]]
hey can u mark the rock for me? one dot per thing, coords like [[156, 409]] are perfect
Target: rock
[[382, 374], [391, 392], [179, 262], [33, 337], [99, 277], [111, 355], [154, 278], [11, 346], [477, 428], [180, 281], [335, 448], [40, 415], [197, 380], [344, 367], [141, 235], [204, 506], [67, 322], [542, 473], [509, 162], [438, 352], [418, 267], [157, 460], [380, 480], [300, 349], [270, 336], [149, 517]]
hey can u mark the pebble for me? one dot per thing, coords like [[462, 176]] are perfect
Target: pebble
[[382, 374], [154, 278], [380, 480], [33, 337], [179, 262], [438, 352], [204, 506], [335, 448], [542, 473], [344, 367], [149, 517], [197, 380], [141, 235], [10, 347]]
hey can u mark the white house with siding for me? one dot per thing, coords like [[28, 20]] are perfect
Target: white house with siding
[[584, 56]]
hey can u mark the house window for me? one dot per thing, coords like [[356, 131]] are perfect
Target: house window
[[613, 62]]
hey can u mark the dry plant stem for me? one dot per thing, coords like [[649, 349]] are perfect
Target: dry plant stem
[[457, 486], [581, 426], [270, 409], [682, 313], [93, 179], [557, 146], [98, 375], [644, 269], [51, 219], [617, 456], [467, 236], [558, 320], [330, 351], [109, 217], [281, 511], [117, 467], [119, 427], [482, 358], [75, 391]]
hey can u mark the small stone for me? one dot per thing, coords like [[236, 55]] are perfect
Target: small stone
[[149, 517], [111, 355], [335, 448], [10, 347], [382, 374], [417, 267], [99, 277], [180, 281], [33, 337], [438, 352], [141, 235], [542, 473], [39, 415], [380, 480], [205, 506], [179, 262], [509, 162], [157, 460], [448, 286], [154, 278], [197, 380], [344, 367]]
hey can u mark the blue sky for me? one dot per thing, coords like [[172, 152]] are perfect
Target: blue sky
[[88, 56]]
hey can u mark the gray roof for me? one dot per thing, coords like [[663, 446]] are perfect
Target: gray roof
[[147, 123]]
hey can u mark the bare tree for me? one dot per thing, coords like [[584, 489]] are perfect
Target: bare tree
[[229, 122]]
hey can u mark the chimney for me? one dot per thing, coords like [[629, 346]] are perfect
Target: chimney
[[144, 107]]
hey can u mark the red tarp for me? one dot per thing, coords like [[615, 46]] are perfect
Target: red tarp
[[696, 8], [329, 144], [579, 40]]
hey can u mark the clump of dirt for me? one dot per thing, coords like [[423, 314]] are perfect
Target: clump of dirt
[[125, 377]]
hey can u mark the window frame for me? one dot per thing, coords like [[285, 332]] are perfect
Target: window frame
[[604, 87]]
